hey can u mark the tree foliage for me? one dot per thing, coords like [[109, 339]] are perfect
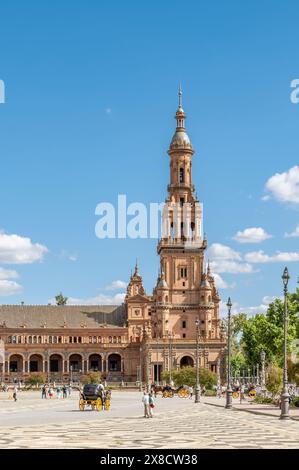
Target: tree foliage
[[91, 378], [36, 379], [60, 299], [274, 379], [187, 376]]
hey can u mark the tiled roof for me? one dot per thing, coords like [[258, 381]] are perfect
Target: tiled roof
[[56, 316]]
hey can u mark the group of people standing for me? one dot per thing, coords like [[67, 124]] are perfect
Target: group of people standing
[[61, 392]]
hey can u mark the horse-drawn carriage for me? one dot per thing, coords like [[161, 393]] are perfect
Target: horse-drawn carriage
[[169, 392], [93, 395]]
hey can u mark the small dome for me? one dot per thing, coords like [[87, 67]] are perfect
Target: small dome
[[163, 284], [180, 139]]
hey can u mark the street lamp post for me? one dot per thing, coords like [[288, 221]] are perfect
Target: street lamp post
[[197, 388], [258, 375], [263, 384], [229, 387], [170, 358], [284, 414], [157, 371]]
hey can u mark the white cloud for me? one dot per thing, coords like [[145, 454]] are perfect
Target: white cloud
[[100, 299], [115, 285], [15, 249], [9, 288], [226, 260], [64, 254], [8, 274], [278, 257], [108, 110], [252, 235], [285, 186], [295, 233], [221, 283]]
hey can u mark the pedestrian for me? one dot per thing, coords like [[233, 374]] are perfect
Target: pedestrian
[[151, 402], [145, 401], [64, 392], [50, 392], [242, 393], [58, 391], [203, 391], [15, 391], [44, 392], [191, 391]]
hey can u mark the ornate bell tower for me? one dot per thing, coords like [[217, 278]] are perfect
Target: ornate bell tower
[[184, 291]]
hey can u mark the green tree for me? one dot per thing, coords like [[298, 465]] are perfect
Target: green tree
[[60, 299], [91, 378], [187, 376], [36, 379], [274, 379]]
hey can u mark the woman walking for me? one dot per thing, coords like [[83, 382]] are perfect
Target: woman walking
[[151, 404]]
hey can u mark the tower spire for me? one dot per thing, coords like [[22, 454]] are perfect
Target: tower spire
[[136, 267], [180, 95]]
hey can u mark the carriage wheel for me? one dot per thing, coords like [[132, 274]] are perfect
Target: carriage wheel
[[107, 404], [98, 406], [170, 394], [235, 394], [252, 393], [81, 404]]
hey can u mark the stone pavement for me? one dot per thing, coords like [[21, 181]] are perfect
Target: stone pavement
[[178, 423], [249, 406]]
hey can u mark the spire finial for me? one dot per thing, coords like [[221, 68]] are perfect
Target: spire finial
[[208, 269], [136, 266], [180, 95]]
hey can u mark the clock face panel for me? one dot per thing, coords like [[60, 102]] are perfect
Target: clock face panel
[[137, 312]]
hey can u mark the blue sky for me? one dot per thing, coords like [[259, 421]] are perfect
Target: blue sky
[[90, 96]]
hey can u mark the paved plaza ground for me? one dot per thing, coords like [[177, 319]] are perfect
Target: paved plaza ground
[[178, 423]]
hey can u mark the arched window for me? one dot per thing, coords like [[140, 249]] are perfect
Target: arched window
[[119, 339], [94, 339], [39, 339], [59, 339], [110, 339], [50, 339], [99, 339], [34, 339], [55, 339], [182, 175], [114, 339], [80, 339], [9, 340], [75, 339], [14, 339], [90, 339], [30, 340], [19, 339]]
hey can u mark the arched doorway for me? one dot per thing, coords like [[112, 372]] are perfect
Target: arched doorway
[[36, 363], [16, 364], [186, 361], [95, 363], [55, 363], [76, 362], [114, 363]]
